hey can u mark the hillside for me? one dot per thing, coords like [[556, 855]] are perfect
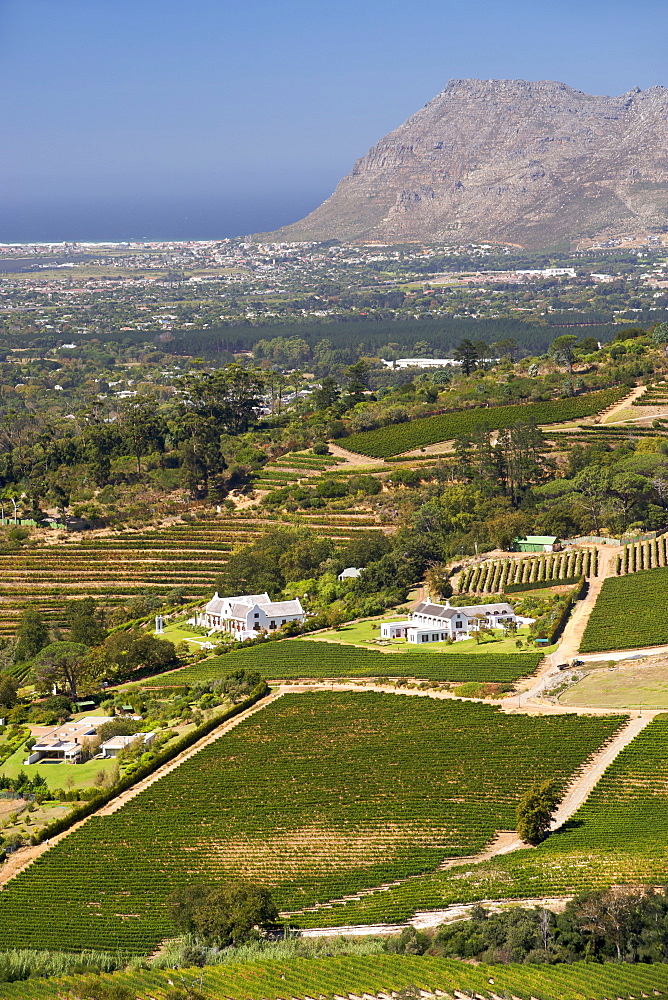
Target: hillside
[[533, 164]]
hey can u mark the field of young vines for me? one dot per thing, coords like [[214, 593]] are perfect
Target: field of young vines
[[397, 438], [631, 612], [295, 658], [643, 555], [498, 576], [369, 975], [317, 796], [617, 837]]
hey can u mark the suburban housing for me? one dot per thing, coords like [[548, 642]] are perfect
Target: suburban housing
[[246, 615], [438, 622]]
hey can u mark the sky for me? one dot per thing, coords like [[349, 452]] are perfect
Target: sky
[[199, 119]]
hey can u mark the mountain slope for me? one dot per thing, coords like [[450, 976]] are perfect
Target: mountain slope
[[508, 161]]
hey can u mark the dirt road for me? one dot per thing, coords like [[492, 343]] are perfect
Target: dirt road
[[571, 638]]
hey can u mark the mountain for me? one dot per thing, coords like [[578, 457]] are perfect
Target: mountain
[[534, 164]]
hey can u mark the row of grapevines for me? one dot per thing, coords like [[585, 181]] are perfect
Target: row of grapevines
[[616, 838], [319, 795], [493, 575], [353, 976], [397, 438], [631, 612], [643, 555], [295, 658]]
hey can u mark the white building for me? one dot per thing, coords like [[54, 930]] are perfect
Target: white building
[[65, 742], [438, 622], [112, 747], [246, 615], [350, 573], [421, 363]]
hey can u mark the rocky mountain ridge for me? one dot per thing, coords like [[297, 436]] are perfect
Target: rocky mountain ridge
[[533, 164]]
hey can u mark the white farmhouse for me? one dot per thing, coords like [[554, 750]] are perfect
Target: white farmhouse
[[246, 615], [438, 622], [350, 573]]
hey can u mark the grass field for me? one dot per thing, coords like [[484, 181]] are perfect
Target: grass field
[[631, 613], [318, 795], [617, 837], [626, 685], [370, 975], [295, 658]]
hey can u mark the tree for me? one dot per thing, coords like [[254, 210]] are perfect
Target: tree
[[32, 635], [224, 914], [562, 350], [535, 811], [660, 334], [122, 653], [85, 626], [143, 430], [506, 348], [213, 404], [592, 486], [437, 579], [8, 688], [327, 394], [467, 355], [61, 663]]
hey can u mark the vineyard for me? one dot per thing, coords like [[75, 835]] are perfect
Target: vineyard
[[498, 576], [292, 659], [393, 440], [113, 568], [368, 976], [617, 837], [654, 395], [649, 554], [291, 800], [631, 612]]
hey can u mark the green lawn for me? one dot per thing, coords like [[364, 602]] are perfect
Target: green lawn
[[57, 775], [181, 633], [368, 633]]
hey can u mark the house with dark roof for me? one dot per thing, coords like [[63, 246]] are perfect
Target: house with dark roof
[[439, 622], [247, 614]]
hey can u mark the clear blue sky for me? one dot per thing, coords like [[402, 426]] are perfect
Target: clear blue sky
[[207, 118]]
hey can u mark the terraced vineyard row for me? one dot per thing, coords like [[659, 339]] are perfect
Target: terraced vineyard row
[[643, 555], [496, 576], [654, 395], [631, 612], [295, 658], [617, 837], [112, 568], [367, 976], [317, 796], [397, 438]]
